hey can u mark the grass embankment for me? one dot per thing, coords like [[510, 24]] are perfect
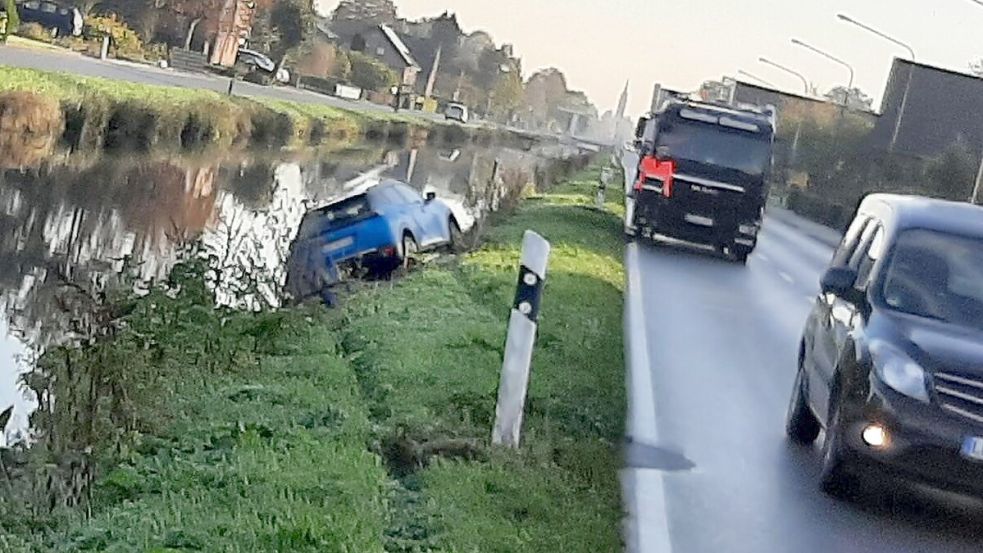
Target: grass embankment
[[363, 429], [101, 113]]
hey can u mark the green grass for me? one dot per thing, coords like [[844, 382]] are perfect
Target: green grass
[[428, 355], [160, 114], [364, 429]]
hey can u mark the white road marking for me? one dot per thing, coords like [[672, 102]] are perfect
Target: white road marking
[[786, 277], [647, 524], [764, 258]]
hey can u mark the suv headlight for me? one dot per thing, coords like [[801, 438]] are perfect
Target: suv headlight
[[896, 369]]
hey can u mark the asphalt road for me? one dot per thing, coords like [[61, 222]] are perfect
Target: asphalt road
[[125, 71], [721, 341]]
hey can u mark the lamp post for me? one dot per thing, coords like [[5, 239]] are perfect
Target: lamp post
[[754, 77], [832, 58], [805, 83], [975, 198], [911, 69]]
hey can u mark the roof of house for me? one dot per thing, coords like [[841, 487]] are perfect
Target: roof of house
[[400, 46]]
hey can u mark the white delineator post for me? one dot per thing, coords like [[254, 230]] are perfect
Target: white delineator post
[[104, 52], [521, 339]]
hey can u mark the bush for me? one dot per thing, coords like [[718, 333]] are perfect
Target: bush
[[820, 209], [124, 40], [371, 74], [35, 31], [30, 127]]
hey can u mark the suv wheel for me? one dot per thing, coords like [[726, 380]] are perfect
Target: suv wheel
[[835, 478], [409, 252], [456, 244], [801, 425]]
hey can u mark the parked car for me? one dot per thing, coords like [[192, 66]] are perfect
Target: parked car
[[457, 112], [382, 228], [891, 362], [261, 62], [60, 19]]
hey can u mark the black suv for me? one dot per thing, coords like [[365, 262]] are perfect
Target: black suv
[[891, 363]]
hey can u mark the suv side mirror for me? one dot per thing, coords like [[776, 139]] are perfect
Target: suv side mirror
[[840, 282], [431, 196]]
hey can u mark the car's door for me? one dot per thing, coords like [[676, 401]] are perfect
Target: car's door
[[429, 227], [388, 203], [821, 350]]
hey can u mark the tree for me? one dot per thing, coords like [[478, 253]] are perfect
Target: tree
[[365, 11], [854, 99], [282, 26], [507, 94], [545, 91], [13, 18], [371, 74]]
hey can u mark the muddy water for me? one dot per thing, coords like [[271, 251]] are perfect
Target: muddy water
[[88, 221]]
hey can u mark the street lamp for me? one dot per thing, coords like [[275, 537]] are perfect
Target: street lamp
[[832, 58], [911, 69], [754, 77], [805, 83], [975, 198]]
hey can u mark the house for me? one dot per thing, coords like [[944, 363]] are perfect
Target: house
[[382, 43], [942, 108]]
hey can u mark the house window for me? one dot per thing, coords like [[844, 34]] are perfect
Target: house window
[[358, 43], [380, 51]]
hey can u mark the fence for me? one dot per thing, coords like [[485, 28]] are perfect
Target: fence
[[188, 60]]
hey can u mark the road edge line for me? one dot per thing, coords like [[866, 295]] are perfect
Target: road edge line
[[647, 524]]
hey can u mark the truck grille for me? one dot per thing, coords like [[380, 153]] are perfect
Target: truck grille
[[960, 395]]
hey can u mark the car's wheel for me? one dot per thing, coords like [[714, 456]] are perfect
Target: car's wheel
[[741, 255], [836, 477], [456, 244], [408, 254], [801, 425]]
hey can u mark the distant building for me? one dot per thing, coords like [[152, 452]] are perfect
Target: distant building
[[622, 103], [235, 24], [944, 107], [784, 102], [380, 42], [661, 95]]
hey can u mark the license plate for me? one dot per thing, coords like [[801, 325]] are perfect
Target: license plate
[[973, 448], [338, 244], [699, 220]]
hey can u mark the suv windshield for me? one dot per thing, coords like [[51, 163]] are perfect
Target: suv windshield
[[938, 276], [713, 145]]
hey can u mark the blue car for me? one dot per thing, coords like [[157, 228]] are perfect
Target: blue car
[[381, 228]]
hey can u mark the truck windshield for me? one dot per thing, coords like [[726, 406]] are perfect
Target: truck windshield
[[714, 145]]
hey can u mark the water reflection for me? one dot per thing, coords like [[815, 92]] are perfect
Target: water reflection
[[74, 220]]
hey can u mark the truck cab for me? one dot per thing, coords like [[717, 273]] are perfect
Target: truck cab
[[703, 175]]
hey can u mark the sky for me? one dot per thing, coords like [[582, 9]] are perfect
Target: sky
[[599, 44]]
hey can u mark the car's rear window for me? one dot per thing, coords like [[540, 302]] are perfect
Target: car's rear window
[[334, 216]]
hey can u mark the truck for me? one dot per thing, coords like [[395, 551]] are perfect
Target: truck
[[703, 175]]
